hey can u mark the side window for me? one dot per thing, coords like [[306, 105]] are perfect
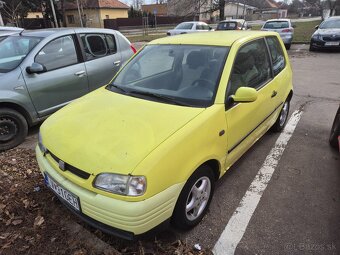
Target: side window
[[276, 53], [251, 67], [111, 43], [58, 53], [205, 27], [95, 46], [199, 27]]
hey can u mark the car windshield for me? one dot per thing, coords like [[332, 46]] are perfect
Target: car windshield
[[184, 26], [276, 24], [176, 74], [335, 23], [13, 50], [227, 26]]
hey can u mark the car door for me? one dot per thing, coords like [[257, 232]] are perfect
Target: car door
[[248, 121], [102, 58], [64, 79]]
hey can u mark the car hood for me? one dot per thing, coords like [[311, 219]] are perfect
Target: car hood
[[332, 31], [109, 132]]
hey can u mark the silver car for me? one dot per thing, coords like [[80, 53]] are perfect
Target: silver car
[[43, 70], [282, 26], [189, 27]]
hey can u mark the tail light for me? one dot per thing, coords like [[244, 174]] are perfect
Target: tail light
[[287, 30], [133, 49]]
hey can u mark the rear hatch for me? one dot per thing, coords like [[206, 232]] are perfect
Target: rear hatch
[[280, 26]]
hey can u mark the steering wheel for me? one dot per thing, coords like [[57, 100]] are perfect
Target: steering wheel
[[203, 83]]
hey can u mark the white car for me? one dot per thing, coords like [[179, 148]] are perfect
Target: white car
[[282, 26], [189, 27]]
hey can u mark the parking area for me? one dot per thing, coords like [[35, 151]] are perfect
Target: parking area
[[298, 211]]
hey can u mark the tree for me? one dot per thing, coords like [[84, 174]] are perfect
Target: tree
[[333, 5], [15, 10]]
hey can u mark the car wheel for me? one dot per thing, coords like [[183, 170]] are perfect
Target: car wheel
[[288, 46], [13, 128], [335, 131], [282, 119], [311, 48], [194, 199]]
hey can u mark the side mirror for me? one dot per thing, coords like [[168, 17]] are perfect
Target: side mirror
[[245, 95], [317, 27], [36, 68]]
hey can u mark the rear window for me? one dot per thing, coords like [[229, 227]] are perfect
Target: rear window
[[276, 25], [227, 26], [184, 26]]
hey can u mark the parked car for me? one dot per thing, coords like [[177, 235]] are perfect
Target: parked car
[[327, 35], [43, 70], [282, 26], [233, 24], [189, 27], [149, 147], [334, 138]]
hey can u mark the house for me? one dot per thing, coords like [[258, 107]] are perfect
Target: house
[[156, 9], [269, 9], [238, 10], [93, 12]]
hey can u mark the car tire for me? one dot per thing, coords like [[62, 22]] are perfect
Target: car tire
[[335, 131], [282, 118], [190, 207], [287, 46], [311, 48], [13, 128]]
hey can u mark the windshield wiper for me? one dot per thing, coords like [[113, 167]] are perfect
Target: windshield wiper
[[169, 99], [118, 87]]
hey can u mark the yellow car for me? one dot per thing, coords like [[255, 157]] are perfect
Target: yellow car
[[148, 148]]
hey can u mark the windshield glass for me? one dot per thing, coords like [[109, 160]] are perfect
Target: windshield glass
[[276, 24], [13, 49], [335, 23], [179, 74], [184, 26]]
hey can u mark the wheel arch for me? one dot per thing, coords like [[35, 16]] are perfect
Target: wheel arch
[[19, 109], [290, 95]]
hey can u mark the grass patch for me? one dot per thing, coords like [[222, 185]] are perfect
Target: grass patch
[[302, 32], [145, 38]]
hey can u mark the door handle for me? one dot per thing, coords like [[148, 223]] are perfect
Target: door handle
[[274, 93], [80, 73], [116, 63]]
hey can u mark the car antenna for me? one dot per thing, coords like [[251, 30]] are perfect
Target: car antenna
[[21, 32]]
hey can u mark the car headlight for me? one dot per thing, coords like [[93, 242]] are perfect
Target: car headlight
[[40, 144], [317, 37], [127, 185]]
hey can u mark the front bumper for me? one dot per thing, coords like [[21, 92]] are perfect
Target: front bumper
[[121, 218], [320, 44]]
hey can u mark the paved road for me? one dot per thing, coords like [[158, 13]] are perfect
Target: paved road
[[299, 211]]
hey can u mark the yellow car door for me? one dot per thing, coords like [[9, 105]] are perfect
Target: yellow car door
[[247, 122]]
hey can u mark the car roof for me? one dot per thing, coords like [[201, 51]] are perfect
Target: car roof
[[49, 31], [2, 28], [217, 38], [277, 20], [333, 17], [232, 20]]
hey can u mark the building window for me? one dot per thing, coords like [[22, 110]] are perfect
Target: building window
[[70, 19], [107, 16]]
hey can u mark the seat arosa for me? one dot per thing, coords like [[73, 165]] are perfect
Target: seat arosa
[[148, 148]]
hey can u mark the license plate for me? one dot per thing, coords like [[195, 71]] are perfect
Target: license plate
[[332, 43], [64, 194]]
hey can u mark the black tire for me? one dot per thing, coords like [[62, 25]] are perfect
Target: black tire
[[282, 118], [311, 48], [288, 46], [180, 217], [13, 128], [335, 131]]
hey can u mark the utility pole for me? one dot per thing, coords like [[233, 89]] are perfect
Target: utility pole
[[1, 6], [80, 17], [53, 11]]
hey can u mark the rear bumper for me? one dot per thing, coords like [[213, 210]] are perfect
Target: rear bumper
[[117, 217], [287, 38]]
